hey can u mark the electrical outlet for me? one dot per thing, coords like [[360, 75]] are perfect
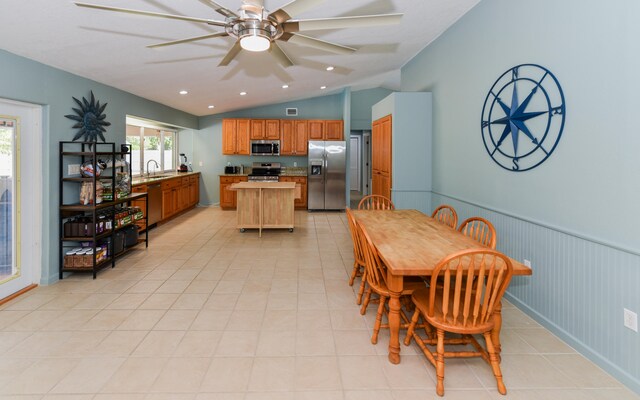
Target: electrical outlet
[[200, 163], [73, 169], [527, 263], [631, 320]]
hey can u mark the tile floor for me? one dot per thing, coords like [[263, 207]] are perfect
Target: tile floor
[[210, 313]]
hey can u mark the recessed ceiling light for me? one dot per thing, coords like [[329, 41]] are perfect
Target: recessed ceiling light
[[285, 86], [243, 93], [211, 107], [330, 68], [323, 87], [183, 92]]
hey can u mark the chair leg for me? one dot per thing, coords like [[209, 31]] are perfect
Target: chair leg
[[495, 363], [376, 327], [367, 299], [412, 327], [356, 268], [362, 285], [440, 363]]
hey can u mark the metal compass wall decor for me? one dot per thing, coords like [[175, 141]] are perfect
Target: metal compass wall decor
[[521, 134], [90, 119]]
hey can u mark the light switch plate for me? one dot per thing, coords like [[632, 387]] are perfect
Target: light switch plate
[[631, 320]]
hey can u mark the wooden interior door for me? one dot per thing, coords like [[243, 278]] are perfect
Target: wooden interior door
[[381, 142]]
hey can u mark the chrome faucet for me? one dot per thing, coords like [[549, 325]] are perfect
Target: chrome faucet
[[154, 171]]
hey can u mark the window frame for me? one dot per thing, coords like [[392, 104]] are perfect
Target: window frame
[[142, 137]]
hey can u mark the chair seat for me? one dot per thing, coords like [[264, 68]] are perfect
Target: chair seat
[[420, 298]]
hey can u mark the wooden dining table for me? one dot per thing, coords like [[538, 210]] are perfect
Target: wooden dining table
[[411, 244]]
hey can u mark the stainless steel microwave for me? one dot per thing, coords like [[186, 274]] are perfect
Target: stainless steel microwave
[[265, 147]]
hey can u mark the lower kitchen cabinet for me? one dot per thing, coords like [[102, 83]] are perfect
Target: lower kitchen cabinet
[[141, 223], [300, 200], [228, 198], [178, 194]]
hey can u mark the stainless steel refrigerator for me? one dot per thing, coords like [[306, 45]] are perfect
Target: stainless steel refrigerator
[[326, 176]]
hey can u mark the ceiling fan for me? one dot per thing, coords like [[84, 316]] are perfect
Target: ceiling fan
[[257, 29]]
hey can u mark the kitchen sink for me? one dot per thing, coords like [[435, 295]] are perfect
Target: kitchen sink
[[158, 176]]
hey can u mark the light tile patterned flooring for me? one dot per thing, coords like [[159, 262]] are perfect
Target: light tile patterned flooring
[[210, 313]]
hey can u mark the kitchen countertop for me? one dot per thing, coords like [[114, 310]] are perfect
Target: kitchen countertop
[[141, 180], [305, 175], [263, 185]]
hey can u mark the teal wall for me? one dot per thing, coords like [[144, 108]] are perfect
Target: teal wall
[[361, 103], [207, 142], [28, 81], [575, 216], [411, 127]]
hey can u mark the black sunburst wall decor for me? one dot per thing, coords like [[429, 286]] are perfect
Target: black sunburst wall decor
[[90, 119]]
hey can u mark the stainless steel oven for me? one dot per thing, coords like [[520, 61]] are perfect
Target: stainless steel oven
[[265, 147]]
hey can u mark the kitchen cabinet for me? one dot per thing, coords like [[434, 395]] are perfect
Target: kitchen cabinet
[[300, 199], [228, 198], [194, 190], [183, 194], [236, 136], [301, 139], [316, 129], [333, 130], [381, 157], [293, 137], [170, 197], [142, 204], [262, 129]]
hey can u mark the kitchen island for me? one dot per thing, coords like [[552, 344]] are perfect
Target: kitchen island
[[265, 205]]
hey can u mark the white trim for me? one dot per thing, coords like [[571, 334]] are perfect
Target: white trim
[[32, 234]]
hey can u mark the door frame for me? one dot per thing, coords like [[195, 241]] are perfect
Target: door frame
[[30, 193], [358, 146], [366, 163]]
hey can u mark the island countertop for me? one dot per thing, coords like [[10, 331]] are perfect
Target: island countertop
[[263, 185]]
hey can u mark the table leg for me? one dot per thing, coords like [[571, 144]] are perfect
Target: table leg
[[495, 334], [394, 284]]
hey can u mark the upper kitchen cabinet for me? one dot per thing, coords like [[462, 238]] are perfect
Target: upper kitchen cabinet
[[262, 129], [401, 149], [316, 129], [235, 136], [333, 130], [325, 129], [293, 137]]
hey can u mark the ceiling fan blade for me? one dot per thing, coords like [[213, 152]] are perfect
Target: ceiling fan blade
[[152, 14], [219, 9], [292, 9], [280, 55], [187, 40], [233, 52], [361, 21], [316, 43]]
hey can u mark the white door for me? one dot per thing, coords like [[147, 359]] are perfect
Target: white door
[[20, 195], [354, 163]]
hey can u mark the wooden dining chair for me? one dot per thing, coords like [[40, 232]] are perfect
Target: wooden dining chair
[[464, 290], [375, 275], [446, 215], [375, 202], [358, 256], [480, 230]]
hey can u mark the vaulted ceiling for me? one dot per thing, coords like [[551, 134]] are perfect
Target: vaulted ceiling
[[110, 48]]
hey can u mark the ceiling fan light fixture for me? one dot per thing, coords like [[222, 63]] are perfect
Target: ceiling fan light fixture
[[255, 43]]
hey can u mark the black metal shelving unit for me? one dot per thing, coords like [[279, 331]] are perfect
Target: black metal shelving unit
[[79, 153]]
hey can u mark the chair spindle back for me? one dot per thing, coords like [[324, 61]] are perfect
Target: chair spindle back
[[375, 202], [446, 215], [480, 230]]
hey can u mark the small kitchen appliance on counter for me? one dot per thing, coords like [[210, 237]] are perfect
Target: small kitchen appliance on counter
[[184, 167], [265, 172]]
